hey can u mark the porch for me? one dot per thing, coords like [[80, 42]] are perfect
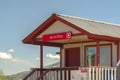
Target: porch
[[73, 73]]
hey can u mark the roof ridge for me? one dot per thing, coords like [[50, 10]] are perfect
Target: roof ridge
[[80, 18]]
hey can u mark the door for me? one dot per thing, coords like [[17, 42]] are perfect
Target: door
[[72, 57]]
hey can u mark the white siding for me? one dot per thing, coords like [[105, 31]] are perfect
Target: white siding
[[82, 46], [114, 55], [58, 27]]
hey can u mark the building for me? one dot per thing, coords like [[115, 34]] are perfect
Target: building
[[89, 49]]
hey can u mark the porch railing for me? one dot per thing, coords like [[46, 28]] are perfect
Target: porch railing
[[50, 74], [102, 73], [88, 73]]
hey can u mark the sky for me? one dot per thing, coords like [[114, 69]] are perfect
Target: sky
[[18, 18]]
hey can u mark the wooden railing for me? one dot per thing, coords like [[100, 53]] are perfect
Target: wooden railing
[[50, 74], [35, 72], [90, 73], [102, 73]]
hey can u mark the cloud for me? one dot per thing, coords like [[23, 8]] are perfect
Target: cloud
[[51, 56], [24, 62], [8, 55], [11, 50], [37, 58], [5, 56]]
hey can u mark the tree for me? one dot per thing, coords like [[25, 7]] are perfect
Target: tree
[[2, 76]]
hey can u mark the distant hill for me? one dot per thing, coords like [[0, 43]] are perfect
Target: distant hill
[[57, 64], [20, 76]]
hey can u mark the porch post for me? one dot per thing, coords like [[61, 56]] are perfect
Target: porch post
[[61, 57], [61, 62], [118, 51], [41, 56], [97, 53], [41, 60]]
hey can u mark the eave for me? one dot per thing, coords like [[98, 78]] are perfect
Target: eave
[[32, 37]]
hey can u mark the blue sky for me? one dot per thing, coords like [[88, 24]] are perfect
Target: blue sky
[[19, 17]]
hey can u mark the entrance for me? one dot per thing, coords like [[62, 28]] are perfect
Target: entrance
[[72, 57]]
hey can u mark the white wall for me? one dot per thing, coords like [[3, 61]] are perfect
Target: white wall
[[82, 46], [114, 55], [58, 27]]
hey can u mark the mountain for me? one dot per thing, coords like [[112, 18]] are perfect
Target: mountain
[[57, 64], [20, 76]]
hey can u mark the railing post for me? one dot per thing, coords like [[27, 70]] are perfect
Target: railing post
[[99, 73], [48, 75], [93, 74], [103, 73], [115, 74], [69, 75], [65, 75], [57, 74], [60, 73], [54, 75], [108, 74], [96, 74], [89, 74], [112, 75]]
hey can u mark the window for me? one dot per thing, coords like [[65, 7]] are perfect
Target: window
[[90, 56], [104, 56]]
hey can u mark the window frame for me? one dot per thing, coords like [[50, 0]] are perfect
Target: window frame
[[85, 53]]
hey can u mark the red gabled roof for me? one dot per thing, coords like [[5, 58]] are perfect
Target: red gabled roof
[[94, 27], [30, 38], [83, 25]]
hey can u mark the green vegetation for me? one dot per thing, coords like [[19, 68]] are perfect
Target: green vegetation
[[2, 76], [20, 76]]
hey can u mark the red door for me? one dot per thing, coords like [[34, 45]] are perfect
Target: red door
[[72, 57]]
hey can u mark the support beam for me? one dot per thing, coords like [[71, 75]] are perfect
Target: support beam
[[97, 53], [47, 43], [103, 38]]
